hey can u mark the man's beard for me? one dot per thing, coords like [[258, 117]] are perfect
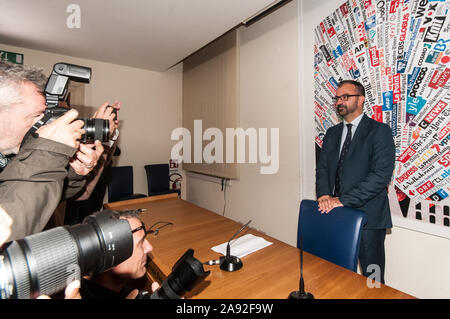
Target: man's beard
[[343, 109]]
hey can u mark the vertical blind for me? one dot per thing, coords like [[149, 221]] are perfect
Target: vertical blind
[[211, 95]]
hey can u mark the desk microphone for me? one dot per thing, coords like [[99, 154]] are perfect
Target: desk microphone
[[301, 294], [228, 262]]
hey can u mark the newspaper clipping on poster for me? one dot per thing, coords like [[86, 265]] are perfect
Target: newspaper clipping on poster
[[400, 51]]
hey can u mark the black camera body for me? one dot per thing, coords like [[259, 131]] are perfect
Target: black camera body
[[186, 273], [56, 91], [45, 263]]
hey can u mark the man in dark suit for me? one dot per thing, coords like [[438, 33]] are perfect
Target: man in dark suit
[[354, 169]]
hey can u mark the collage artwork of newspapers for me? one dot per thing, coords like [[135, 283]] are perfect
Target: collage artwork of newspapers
[[400, 51]]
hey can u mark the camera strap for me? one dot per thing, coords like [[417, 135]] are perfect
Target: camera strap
[[3, 161], [36, 126], [47, 116]]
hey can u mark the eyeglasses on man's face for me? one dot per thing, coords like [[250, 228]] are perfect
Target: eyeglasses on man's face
[[343, 97], [139, 228], [151, 230]]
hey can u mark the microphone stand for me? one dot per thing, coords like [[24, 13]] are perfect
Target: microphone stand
[[228, 262], [301, 294]]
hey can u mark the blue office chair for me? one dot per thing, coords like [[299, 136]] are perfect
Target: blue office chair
[[120, 184], [334, 236], [158, 180]]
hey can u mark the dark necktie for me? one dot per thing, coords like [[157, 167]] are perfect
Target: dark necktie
[[344, 151]]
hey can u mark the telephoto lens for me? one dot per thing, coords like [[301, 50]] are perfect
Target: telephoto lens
[[186, 274], [45, 263], [96, 130]]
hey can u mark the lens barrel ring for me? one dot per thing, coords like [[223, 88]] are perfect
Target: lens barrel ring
[[18, 279]]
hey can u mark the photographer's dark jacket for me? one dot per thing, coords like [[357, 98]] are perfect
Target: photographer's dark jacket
[[34, 182]]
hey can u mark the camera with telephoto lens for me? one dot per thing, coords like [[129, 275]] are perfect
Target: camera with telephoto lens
[[56, 91], [45, 263], [186, 273], [95, 129]]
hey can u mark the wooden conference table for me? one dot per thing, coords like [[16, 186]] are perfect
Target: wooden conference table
[[272, 272]]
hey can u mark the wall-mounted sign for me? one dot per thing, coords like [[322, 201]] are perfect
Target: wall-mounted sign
[[11, 57]]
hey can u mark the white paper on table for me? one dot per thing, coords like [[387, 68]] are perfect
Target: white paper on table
[[243, 246]]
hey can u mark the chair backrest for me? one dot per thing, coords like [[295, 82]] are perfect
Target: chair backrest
[[120, 182], [334, 236], [157, 177]]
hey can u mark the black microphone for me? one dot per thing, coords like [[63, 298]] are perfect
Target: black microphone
[[301, 294], [228, 262]]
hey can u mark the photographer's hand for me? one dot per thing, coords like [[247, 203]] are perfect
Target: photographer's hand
[[86, 158], [64, 129], [72, 291], [133, 294], [105, 112]]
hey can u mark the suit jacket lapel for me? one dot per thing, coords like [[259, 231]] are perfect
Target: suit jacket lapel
[[337, 143], [334, 154]]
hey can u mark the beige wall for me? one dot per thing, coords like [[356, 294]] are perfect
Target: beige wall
[[151, 106], [268, 99]]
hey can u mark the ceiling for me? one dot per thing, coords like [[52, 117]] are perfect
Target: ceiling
[[146, 34]]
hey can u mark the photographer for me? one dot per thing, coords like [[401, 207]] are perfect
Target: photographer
[[33, 182], [91, 199], [113, 283]]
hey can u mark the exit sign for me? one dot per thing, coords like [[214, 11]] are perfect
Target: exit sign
[[11, 57]]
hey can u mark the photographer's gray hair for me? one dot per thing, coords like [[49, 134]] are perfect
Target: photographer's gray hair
[[12, 76]]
